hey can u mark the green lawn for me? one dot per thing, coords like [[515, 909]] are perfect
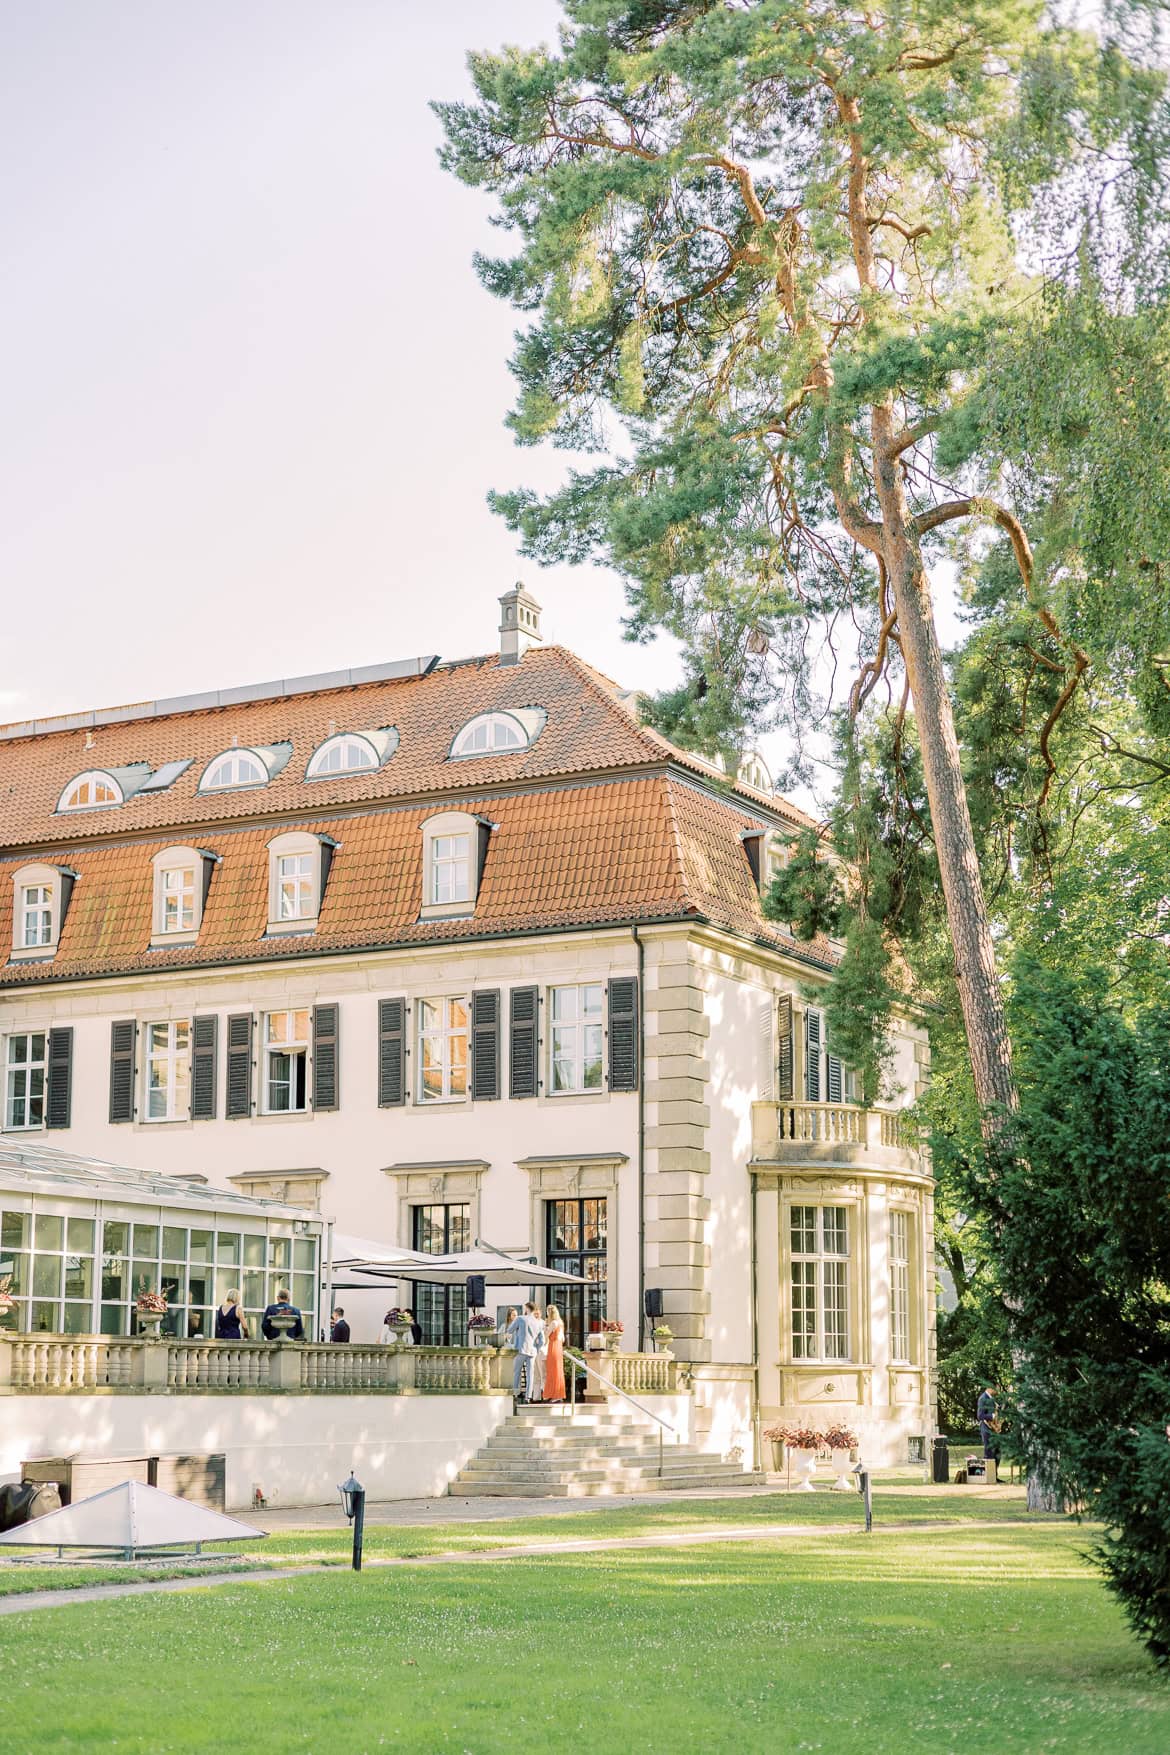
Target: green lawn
[[899, 1503], [960, 1640]]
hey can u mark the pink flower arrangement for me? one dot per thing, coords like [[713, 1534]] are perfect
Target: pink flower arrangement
[[841, 1438], [795, 1437], [611, 1326], [396, 1318], [483, 1320], [7, 1301], [151, 1304]]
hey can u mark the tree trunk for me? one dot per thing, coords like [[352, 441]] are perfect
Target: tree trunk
[[979, 992]]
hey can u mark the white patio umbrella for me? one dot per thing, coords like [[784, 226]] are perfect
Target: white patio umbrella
[[497, 1269]]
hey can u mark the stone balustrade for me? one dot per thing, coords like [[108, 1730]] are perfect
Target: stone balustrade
[[88, 1364], [834, 1133], [618, 1374]]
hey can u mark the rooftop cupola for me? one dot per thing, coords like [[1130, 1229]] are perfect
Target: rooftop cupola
[[519, 624]]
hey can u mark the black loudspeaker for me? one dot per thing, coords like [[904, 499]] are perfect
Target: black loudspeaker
[[476, 1291], [653, 1301]]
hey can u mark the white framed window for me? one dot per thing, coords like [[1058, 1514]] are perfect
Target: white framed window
[[575, 1038], [286, 1062], [900, 1259], [296, 880], [820, 1282], [450, 869], [442, 1050], [234, 768], [40, 896], [25, 1075], [294, 886], [346, 753], [180, 880], [35, 927], [489, 733], [451, 844], [95, 790], [168, 1071]]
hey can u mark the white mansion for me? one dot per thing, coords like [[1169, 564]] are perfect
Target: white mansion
[[447, 951]]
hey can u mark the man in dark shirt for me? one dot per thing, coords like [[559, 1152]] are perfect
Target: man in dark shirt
[[284, 1307], [986, 1413], [340, 1329]]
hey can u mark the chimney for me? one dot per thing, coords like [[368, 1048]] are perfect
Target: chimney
[[519, 624]]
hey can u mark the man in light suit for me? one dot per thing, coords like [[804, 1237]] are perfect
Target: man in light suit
[[526, 1334]]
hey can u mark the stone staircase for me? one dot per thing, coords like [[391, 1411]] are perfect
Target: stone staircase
[[541, 1453]]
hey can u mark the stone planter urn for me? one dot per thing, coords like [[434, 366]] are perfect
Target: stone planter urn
[[804, 1465], [149, 1323], [283, 1325], [398, 1331], [482, 1337], [842, 1464]]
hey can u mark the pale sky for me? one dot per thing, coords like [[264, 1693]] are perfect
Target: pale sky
[[254, 393]]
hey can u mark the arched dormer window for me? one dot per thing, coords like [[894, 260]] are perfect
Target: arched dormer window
[[298, 870], [454, 845], [235, 768], [39, 902], [181, 879], [352, 752], [491, 733], [94, 790]]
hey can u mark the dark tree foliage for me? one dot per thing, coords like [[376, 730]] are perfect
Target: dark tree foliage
[[1080, 1214]]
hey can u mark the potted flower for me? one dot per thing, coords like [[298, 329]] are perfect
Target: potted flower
[[481, 1330], [395, 1325], [842, 1445], [802, 1444], [7, 1301], [662, 1336], [149, 1309], [613, 1330]]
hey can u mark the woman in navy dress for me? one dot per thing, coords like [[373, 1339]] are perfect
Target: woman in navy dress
[[230, 1322]]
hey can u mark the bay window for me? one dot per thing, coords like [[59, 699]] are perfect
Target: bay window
[[900, 1246]]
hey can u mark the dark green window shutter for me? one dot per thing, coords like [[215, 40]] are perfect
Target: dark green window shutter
[[812, 1056], [523, 1037], [833, 1078], [784, 1085], [204, 1056], [325, 1027], [623, 1034], [485, 1044], [391, 1053], [59, 1077], [122, 1039], [239, 1065]]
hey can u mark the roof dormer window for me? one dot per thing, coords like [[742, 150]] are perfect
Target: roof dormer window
[[182, 876], [94, 790], [454, 849], [40, 900], [352, 752], [298, 871], [235, 768], [490, 733]]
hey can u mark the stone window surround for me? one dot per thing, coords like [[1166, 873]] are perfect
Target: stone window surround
[[290, 844], [451, 1182], [292, 1188], [450, 822], [586, 1176], [826, 1192], [201, 863], [57, 877]]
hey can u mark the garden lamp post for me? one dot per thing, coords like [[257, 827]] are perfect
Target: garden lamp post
[[353, 1498], [861, 1470]]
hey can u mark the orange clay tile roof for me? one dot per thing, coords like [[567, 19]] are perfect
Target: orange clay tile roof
[[588, 730], [599, 822], [609, 852]]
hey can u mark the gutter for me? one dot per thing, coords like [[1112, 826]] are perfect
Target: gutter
[[641, 1137]]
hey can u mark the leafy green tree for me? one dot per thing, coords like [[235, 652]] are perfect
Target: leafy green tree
[[773, 248], [1079, 1214]]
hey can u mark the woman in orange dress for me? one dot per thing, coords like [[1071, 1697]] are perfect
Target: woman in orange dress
[[554, 1369]]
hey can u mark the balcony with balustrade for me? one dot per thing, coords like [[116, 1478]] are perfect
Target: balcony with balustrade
[[814, 1136]]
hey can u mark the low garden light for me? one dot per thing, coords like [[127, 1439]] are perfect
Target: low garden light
[[861, 1470], [353, 1499]]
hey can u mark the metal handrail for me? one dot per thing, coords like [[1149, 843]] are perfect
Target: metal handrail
[[664, 1425]]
